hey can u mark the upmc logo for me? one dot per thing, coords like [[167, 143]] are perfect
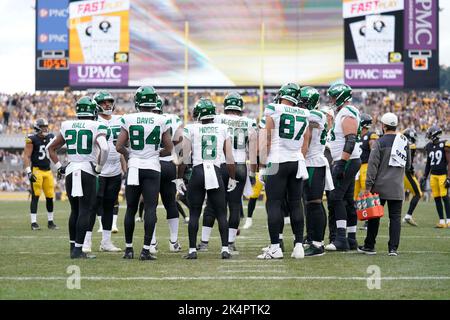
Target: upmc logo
[[99, 72], [421, 24]]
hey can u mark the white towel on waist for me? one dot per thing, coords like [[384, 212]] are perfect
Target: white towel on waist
[[302, 172], [398, 151], [248, 190], [77, 188], [329, 185], [133, 172], [210, 176]]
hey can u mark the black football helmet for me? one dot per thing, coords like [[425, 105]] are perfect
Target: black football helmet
[[366, 120], [434, 133], [411, 135], [39, 125]]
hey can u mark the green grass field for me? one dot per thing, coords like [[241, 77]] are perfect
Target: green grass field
[[33, 265]]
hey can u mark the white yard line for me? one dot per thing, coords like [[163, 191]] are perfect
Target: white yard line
[[203, 278]]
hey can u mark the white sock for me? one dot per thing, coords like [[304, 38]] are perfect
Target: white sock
[[146, 247], [50, 216], [106, 236], [154, 236], [317, 244], [192, 250], [114, 224], [351, 229], [173, 229], [232, 234], [100, 221], [129, 245], [225, 249], [88, 237], [274, 247], [408, 216], [206, 233], [33, 217], [341, 224], [442, 221], [280, 236]]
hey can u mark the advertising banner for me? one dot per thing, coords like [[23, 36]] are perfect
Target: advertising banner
[[51, 25], [99, 43]]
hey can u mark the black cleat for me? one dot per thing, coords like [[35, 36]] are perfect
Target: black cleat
[[191, 256], [341, 244], [202, 246], [313, 251], [225, 255], [393, 253], [77, 253], [352, 243], [129, 253], [146, 255], [35, 226], [365, 250], [52, 226]]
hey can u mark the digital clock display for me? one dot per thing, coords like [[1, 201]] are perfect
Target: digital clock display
[[53, 64]]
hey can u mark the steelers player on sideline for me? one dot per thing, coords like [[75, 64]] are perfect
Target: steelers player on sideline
[[207, 142], [346, 164], [168, 190], [37, 168], [110, 179], [143, 132], [318, 170], [87, 152], [410, 180], [244, 141], [438, 163], [367, 140], [283, 167]]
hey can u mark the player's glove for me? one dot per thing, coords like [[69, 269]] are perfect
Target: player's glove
[[96, 168], [423, 183], [447, 183], [181, 187], [339, 169], [61, 172], [30, 175], [231, 184]]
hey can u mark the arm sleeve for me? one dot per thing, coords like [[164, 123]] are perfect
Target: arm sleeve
[[372, 168]]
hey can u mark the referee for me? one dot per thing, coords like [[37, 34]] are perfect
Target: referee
[[385, 174]]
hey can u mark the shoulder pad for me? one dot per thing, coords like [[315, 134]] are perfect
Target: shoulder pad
[[29, 139]]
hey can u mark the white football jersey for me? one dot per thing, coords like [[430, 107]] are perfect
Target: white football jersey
[[290, 124], [337, 140], [240, 129], [80, 137], [207, 141], [315, 156], [174, 122], [112, 166], [145, 130]]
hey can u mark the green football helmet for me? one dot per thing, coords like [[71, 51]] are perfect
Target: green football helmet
[[145, 97], [101, 96], [233, 101], [290, 92], [86, 108], [204, 109], [341, 92], [309, 98], [159, 104]]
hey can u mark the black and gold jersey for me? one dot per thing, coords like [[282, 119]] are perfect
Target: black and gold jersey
[[436, 156], [38, 156], [365, 146]]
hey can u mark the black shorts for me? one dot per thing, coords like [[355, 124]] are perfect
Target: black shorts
[[315, 185]]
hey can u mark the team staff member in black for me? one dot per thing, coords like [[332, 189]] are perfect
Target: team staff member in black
[[39, 173], [385, 173]]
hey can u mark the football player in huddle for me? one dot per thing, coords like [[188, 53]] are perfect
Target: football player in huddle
[[37, 168], [207, 143], [283, 167], [143, 132], [438, 164], [87, 153], [244, 142], [346, 164]]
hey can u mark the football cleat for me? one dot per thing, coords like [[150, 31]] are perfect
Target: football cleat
[[78, 254], [202, 246], [298, 252], [410, 221], [271, 254], [114, 229], [341, 244], [129, 253], [146, 255], [313, 251], [191, 256], [225, 255], [174, 246], [330, 247], [52, 226], [232, 249], [35, 226], [154, 248], [109, 247], [352, 243], [393, 253], [441, 225], [248, 223], [369, 251], [87, 246]]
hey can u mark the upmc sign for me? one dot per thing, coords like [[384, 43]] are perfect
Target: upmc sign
[[420, 24], [102, 75], [52, 31]]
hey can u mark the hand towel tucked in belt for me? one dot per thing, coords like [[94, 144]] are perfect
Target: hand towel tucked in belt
[[209, 171]]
